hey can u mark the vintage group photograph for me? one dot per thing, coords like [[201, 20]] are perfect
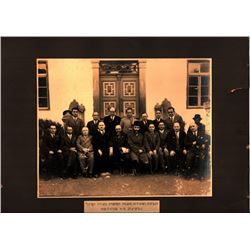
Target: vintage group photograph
[[130, 127]]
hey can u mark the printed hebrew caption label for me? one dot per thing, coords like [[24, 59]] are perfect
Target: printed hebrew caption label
[[124, 206]]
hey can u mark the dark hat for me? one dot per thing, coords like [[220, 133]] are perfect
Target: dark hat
[[197, 117], [67, 111], [136, 123]]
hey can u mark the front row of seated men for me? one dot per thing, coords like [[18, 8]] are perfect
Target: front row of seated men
[[158, 150]]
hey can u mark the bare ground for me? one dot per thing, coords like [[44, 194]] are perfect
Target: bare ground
[[145, 185]]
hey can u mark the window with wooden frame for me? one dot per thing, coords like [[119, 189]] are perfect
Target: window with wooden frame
[[198, 83], [43, 84]]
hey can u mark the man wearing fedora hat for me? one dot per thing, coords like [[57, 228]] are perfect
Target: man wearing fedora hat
[[200, 126]]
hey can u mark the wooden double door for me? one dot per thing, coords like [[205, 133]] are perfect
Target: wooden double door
[[119, 92]]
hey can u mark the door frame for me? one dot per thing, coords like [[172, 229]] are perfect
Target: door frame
[[141, 85]]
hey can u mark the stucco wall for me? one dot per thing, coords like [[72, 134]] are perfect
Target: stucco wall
[[73, 79]]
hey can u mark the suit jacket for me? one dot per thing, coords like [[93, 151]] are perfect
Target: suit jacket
[[152, 141], [67, 143], [126, 124], [77, 125], [84, 142], [163, 138], [156, 123], [110, 124], [117, 142], [177, 118], [101, 142], [201, 128], [200, 139], [172, 141], [51, 143], [136, 142], [92, 127], [144, 126]]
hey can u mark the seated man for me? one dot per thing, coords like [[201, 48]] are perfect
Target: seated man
[[68, 142], [137, 149], [152, 144], [85, 152], [119, 150], [176, 146], [196, 144], [164, 162], [53, 153], [144, 123], [101, 151]]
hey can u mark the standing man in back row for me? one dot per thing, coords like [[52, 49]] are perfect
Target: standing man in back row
[[172, 118], [75, 122], [111, 121]]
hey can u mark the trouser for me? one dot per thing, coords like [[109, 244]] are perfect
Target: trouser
[[153, 161], [86, 162], [54, 164], [70, 164], [120, 161], [176, 161], [102, 163], [140, 161], [164, 161], [192, 162]]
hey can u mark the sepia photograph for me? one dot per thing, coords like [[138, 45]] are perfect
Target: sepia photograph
[[129, 127]]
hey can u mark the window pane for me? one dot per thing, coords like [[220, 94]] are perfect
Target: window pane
[[193, 80], [192, 101], [204, 99], [42, 81], [204, 90], [193, 91], [42, 71], [204, 80], [42, 92], [43, 103], [204, 67]]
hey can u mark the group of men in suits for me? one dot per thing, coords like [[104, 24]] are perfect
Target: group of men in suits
[[126, 144]]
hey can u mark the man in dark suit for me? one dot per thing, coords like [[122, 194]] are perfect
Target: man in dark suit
[[53, 153], [196, 144], [164, 162], [93, 125], [119, 151], [75, 122], [152, 145], [144, 123], [158, 119], [68, 142], [101, 151], [200, 126], [111, 121], [176, 145], [138, 153], [172, 118]]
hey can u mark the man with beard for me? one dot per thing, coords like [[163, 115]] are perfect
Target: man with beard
[[138, 153]]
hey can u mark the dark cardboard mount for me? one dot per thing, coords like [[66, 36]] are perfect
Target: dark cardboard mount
[[230, 123]]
